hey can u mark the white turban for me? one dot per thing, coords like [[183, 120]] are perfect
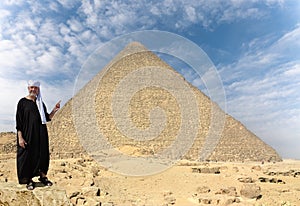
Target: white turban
[[32, 83], [39, 100]]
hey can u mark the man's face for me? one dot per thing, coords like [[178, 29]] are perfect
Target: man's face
[[33, 91]]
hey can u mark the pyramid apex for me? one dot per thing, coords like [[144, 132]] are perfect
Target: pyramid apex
[[131, 48], [134, 47], [136, 44]]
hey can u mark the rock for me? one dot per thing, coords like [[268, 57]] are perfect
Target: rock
[[263, 179], [251, 191], [230, 201], [292, 173], [92, 202], [209, 170], [275, 180], [90, 191], [95, 171], [246, 179], [205, 201], [297, 173], [74, 194], [257, 168], [81, 162], [286, 203], [236, 169], [203, 189], [231, 191], [15, 194], [169, 198], [272, 180], [80, 201]]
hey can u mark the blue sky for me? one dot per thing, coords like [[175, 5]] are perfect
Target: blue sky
[[254, 45]]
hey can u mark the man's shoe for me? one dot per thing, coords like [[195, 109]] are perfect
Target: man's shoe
[[45, 181], [30, 185]]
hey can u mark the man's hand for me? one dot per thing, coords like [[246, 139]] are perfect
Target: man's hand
[[22, 142], [57, 106], [55, 109]]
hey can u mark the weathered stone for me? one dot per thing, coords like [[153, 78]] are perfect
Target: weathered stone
[[246, 179], [230, 201], [74, 194], [272, 180], [169, 198], [209, 170], [95, 171], [292, 173], [263, 179], [257, 168], [275, 180], [90, 191], [205, 201], [231, 191], [81, 162], [203, 189], [251, 191], [17, 195], [92, 202], [236, 169], [80, 201]]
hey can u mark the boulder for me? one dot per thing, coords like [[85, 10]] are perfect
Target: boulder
[[203, 189], [17, 195], [251, 191]]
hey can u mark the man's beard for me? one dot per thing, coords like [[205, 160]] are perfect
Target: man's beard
[[32, 94]]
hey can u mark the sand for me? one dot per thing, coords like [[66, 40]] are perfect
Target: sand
[[181, 184]]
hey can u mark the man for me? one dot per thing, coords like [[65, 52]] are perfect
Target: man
[[32, 137]]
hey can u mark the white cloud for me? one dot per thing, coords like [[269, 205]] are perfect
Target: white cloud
[[75, 25], [4, 13], [68, 3], [54, 6], [12, 90], [59, 90], [293, 72], [264, 53], [13, 2], [39, 45], [289, 43], [191, 13], [264, 91]]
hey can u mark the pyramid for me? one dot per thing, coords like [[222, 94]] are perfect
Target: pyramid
[[141, 106]]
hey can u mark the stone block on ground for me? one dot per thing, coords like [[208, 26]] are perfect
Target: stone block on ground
[[17, 195]]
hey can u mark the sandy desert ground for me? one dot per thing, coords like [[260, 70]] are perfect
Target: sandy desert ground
[[85, 182], [185, 184]]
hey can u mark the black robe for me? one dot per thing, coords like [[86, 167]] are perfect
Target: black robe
[[35, 157]]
